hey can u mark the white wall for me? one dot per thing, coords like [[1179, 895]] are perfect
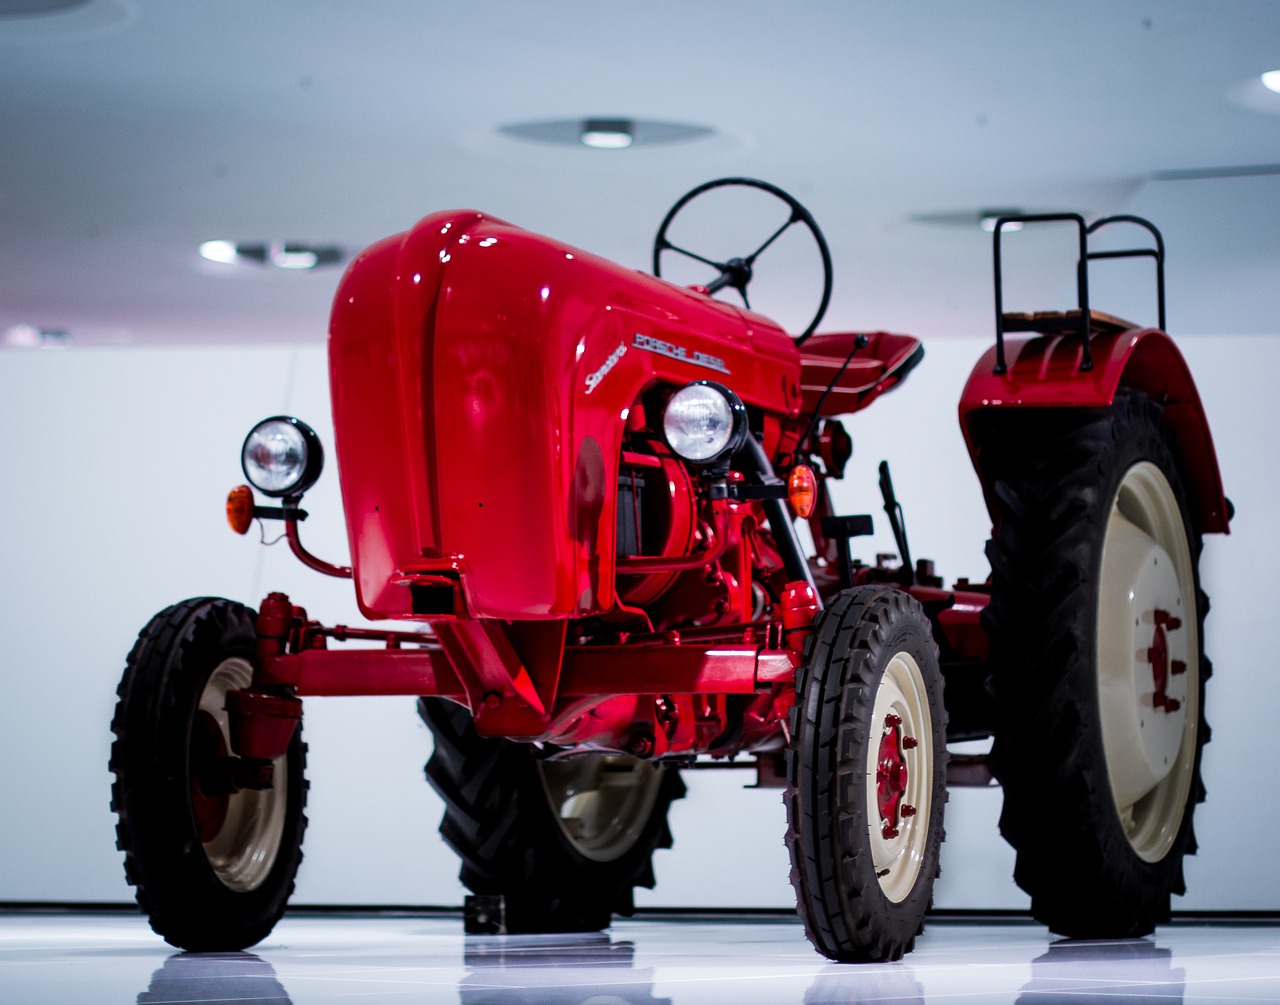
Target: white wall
[[115, 465]]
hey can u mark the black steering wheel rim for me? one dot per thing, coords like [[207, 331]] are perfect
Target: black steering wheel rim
[[737, 272]]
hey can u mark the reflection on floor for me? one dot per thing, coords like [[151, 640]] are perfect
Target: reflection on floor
[[74, 958]]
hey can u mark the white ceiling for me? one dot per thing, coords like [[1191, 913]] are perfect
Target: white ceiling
[[132, 130]]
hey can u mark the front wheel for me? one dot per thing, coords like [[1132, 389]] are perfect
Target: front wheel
[[866, 776], [213, 863]]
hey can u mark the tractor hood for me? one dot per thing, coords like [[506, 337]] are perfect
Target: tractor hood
[[481, 378]]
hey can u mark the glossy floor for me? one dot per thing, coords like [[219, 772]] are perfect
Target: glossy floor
[[75, 958]]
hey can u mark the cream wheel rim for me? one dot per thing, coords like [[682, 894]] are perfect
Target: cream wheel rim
[[601, 802], [1148, 660], [245, 847], [899, 777]]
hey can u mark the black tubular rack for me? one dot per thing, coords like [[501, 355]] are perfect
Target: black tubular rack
[[1064, 322]]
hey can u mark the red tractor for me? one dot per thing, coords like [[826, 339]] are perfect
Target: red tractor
[[577, 486]]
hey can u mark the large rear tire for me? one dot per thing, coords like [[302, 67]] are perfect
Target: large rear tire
[[212, 868], [1097, 647], [563, 842], [866, 776]]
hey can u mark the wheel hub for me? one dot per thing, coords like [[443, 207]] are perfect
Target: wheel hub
[[899, 777], [1161, 665], [241, 829], [1141, 641], [892, 776], [210, 800], [1146, 647], [602, 802]]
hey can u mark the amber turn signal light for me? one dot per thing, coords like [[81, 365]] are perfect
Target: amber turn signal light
[[802, 490], [240, 509]]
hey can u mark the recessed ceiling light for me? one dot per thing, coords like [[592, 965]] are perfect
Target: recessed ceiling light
[[34, 337], [1271, 80], [291, 255], [32, 8], [606, 133], [988, 217], [965, 219], [218, 251]]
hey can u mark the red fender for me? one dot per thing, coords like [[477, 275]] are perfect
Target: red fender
[[1044, 372]]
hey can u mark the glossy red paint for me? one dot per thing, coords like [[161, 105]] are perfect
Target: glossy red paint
[[467, 347], [310, 560], [800, 606], [262, 724], [1044, 372], [881, 365]]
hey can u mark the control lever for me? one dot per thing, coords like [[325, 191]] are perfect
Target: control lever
[[897, 523]]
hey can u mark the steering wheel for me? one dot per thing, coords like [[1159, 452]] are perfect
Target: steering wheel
[[737, 273]]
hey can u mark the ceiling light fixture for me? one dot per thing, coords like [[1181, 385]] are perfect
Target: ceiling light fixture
[[34, 337], [219, 251], [290, 255], [34, 8], [606, 132], [1271, 80], [987, 220], [967, 219]]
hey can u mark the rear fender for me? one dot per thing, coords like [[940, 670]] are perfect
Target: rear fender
[[1044, 372]]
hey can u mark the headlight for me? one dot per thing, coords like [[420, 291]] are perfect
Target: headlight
[[704, 422], [282, 456]]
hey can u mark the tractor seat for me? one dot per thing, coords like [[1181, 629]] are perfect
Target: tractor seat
[[880, 366]]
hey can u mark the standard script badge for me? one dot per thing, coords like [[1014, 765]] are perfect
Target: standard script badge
[[593, 379]]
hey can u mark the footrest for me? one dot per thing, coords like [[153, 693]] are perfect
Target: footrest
[[847, 526], [840, 529]]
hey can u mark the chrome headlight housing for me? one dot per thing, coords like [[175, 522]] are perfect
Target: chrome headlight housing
[[282, 456], [704, 422]]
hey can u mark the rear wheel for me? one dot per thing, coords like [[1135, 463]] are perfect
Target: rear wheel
[[1096, 638], [213, 864], [563, 842], [866, 776]]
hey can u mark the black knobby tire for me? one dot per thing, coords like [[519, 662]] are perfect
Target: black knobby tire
[[862, 890], [1098, 859], [212, 872], [500, 820]]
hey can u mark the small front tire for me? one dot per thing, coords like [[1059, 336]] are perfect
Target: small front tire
[[213, 868], [866, 776]]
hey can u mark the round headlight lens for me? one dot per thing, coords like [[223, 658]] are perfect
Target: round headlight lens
[[703, 421], [281, 456]]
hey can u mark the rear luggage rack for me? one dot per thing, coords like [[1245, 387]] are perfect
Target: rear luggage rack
[[1084, 321]]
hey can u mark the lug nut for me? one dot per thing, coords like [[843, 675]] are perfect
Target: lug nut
[[640, 745], [1177, 667], [910, 743], [892, 721], [908, 810], [1166, 620]]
